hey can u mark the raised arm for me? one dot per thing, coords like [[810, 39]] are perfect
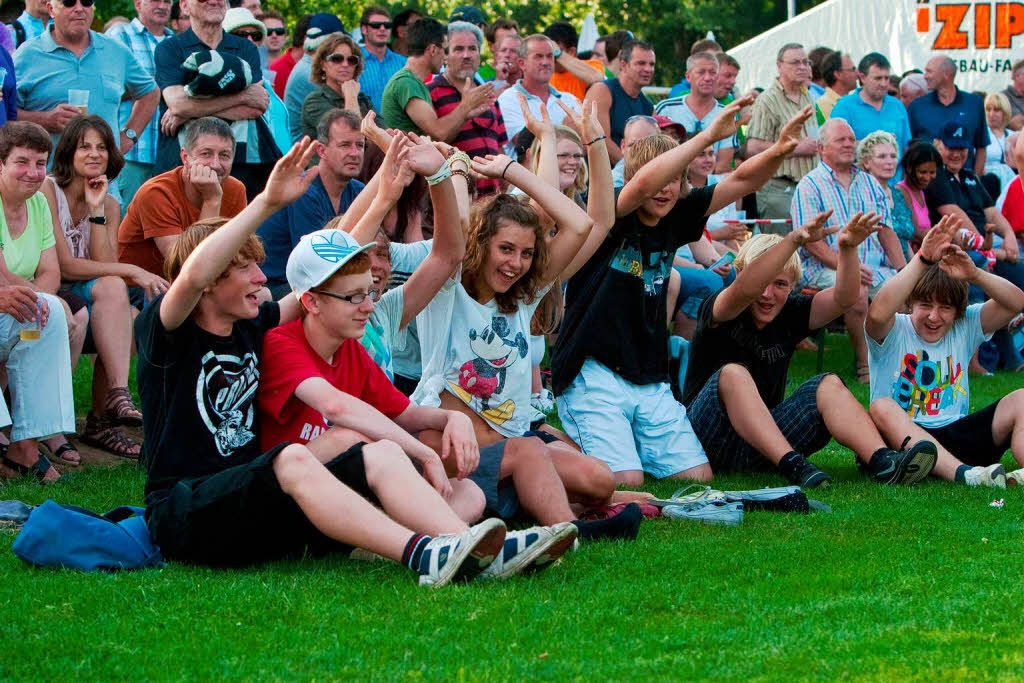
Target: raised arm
[[831, 303], [544, 132], [601, 98], [1005, 299], [288, 181], [1003, 229]]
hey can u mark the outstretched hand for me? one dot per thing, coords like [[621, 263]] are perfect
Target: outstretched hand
[[956, 263], [290, 178], [538, 126], [421, 155], [861, 226], [373, 132], [814, 230], [793, 131], [938, 238], [491, 166], [727, 122], [395, 175]]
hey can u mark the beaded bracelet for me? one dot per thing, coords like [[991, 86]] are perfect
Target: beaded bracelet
[[464, 174], [601, 137], [461, 156]]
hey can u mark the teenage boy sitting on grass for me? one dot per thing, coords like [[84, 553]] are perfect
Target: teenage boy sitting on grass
[[212, 497], [739, 358], [919, 380]]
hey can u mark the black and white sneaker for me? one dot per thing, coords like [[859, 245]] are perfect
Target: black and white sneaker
[[801, 472], [906, 467]]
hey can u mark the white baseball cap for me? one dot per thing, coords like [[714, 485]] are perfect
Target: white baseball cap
[[318, 256]]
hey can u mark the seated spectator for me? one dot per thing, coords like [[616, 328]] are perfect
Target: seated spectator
[[878, 154], [570, 162], [572, 75], [1013, 207], [838, 186], [167, 204], [8, 89], [919, 361], [637, 128], [340, 146], [697, 109], [998, 157], [921, 161], [617, 99], [300, 82], [721, 226], [283, 65], [337, 64], [739, 360], [85, 224]]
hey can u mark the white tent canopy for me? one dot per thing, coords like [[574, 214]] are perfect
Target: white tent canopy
[[978, 36]]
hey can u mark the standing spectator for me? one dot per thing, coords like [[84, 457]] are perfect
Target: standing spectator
[[167, 204], [277, 33], [71, 57], [380, 63], [506, 61], [816, 86], [32, 22], [299, 84], [840, 79], [336, 68], [612, 46], [703, 45], [616, 99], [781, 101], [283, 65], [599, 52], [180, 20], [340, 146], [696, 110], [912, 86], [947, 103], [8, 88], [400, 30], [141, 36], [728, 71], [496, 33], [484, 132], [571, 75], [1015, 94], [257, 150]]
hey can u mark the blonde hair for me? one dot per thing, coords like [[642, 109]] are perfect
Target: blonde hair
[[757, 245], [866, 147], [562, 133], [1001, 101], [252, 249], [645, 150]]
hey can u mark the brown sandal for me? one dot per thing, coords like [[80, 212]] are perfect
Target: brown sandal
[[121, 408], [106, 434]]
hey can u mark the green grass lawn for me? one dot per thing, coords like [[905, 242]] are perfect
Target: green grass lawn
[[894, 584]]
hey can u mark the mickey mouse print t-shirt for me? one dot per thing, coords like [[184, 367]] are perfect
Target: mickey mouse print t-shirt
[[479, 355]]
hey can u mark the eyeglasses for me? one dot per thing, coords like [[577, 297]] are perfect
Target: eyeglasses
[[378, 24], [254, 36], [276, 31], [565, 156], [357, 298], [642, 117], [798, 62], [351, 60], [71, 3]]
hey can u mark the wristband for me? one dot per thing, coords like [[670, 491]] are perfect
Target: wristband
[[443, 174], [460, 156], [510, 162], [600, 137], [926, 261], [464, 174]]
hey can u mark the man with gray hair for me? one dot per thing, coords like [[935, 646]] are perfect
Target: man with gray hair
[[772, 109], [697, 109], [168, 203], [946, 103], [912, 86], [1015, 93]]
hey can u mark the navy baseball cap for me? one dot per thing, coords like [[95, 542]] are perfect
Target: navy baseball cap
[[468, 13], [320, 26], [954, 136]]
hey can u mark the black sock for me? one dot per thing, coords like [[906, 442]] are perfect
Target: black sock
[[414, 551], [624, 525], [960, 472], [789, 461]]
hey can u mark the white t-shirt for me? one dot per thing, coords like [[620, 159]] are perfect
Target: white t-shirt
[[929, 381], [405, 350], [479, 355]]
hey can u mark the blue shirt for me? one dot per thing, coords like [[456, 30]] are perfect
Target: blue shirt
[[377, 73], [33, 27], [9, 110], [107, 69], [295, 93], [137, 38], [928, 116], [865, 119], [282, 231]]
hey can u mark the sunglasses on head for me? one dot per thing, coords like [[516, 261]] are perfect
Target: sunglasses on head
[[379, 24], [72, 3], [276, 31], [352, 60]]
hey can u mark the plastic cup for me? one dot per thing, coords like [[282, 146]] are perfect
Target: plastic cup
[[32, 330], [80, 99]]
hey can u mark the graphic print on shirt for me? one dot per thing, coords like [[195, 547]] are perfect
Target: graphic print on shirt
[[225, 393], [925, 387], [654, 273], [483, 377]]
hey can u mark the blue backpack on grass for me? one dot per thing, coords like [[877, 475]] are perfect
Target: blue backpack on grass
[[69, 537]]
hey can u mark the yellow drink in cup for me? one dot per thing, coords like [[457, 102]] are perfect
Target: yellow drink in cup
[[79, 99], [31, 333]]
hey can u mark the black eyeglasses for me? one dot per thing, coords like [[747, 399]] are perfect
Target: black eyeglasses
[[378, 24], [357, 298], [276, 31], [351, 60], [254, 36], [71, 3]]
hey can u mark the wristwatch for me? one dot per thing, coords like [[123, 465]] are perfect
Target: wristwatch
[[131, 134], [98, 220]]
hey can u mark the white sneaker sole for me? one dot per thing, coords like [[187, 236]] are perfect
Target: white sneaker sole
[[471, 557]]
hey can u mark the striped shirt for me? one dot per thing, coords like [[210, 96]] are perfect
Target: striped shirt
[[820, 190], [377, 73], [479, 136], [142, 43], [676, 109], [772, 109]]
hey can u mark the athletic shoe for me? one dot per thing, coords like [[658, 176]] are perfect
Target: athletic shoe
[[993, 475], [908, 466], [778, 499], [1015, 478], [706, 511], [461, 557], [531, 550], [801, 472], [690, 494]]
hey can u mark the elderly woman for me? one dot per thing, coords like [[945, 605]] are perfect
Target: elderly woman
[[878, 154], [337, 64], [998, 159]]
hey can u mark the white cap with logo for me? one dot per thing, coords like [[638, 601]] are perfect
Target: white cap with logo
[[318, 256]]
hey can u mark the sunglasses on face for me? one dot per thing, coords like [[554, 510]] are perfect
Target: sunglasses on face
[[72, 3], [276, 31], [351, 60], [379, 24], [254, 36]]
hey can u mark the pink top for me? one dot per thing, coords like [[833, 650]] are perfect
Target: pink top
[[918, 208]]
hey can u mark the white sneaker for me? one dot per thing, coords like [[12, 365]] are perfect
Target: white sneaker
[[708, 512], [461, 557], [993, 475], [531, 550], [1015, 478]]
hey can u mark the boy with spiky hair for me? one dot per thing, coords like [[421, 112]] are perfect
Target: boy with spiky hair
[[213, 498], [919, 380]]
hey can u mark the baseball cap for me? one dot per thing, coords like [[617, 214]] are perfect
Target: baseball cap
[[665, 122], [954, 136], [468, 13], [318, 256], [237, 17], [320, 26]]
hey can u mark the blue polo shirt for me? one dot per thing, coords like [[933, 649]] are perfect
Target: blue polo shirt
[[107, 69], [377, 73], [865, 119], [282, 231], [928, 116]]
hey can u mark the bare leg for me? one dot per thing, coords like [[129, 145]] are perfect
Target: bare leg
[[895, 426], [698, 473], [538, 486], [685, 326], [26, 452], [846, 420], [631, 478], [749, 416], [1009, 422], [535, 381], [467, 500], [112, 333], [334, 442], [78, 324], [586, 479]]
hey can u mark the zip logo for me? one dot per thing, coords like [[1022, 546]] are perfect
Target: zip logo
[[971, 25]]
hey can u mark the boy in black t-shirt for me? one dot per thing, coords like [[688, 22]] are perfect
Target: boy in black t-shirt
[[611, 360], [212, 497], [736, 378]]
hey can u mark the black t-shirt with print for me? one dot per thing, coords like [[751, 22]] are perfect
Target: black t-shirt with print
[[765, 352], [615, 304], [198, 394]]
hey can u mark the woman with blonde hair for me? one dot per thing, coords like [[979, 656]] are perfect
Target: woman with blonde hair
[[879, 155], [337, 65], [999, 158]]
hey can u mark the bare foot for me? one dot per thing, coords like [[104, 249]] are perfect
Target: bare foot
[[27, 454]]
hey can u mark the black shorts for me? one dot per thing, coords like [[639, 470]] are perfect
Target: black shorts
[[502, 500], [969, 439], [241, 517]]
